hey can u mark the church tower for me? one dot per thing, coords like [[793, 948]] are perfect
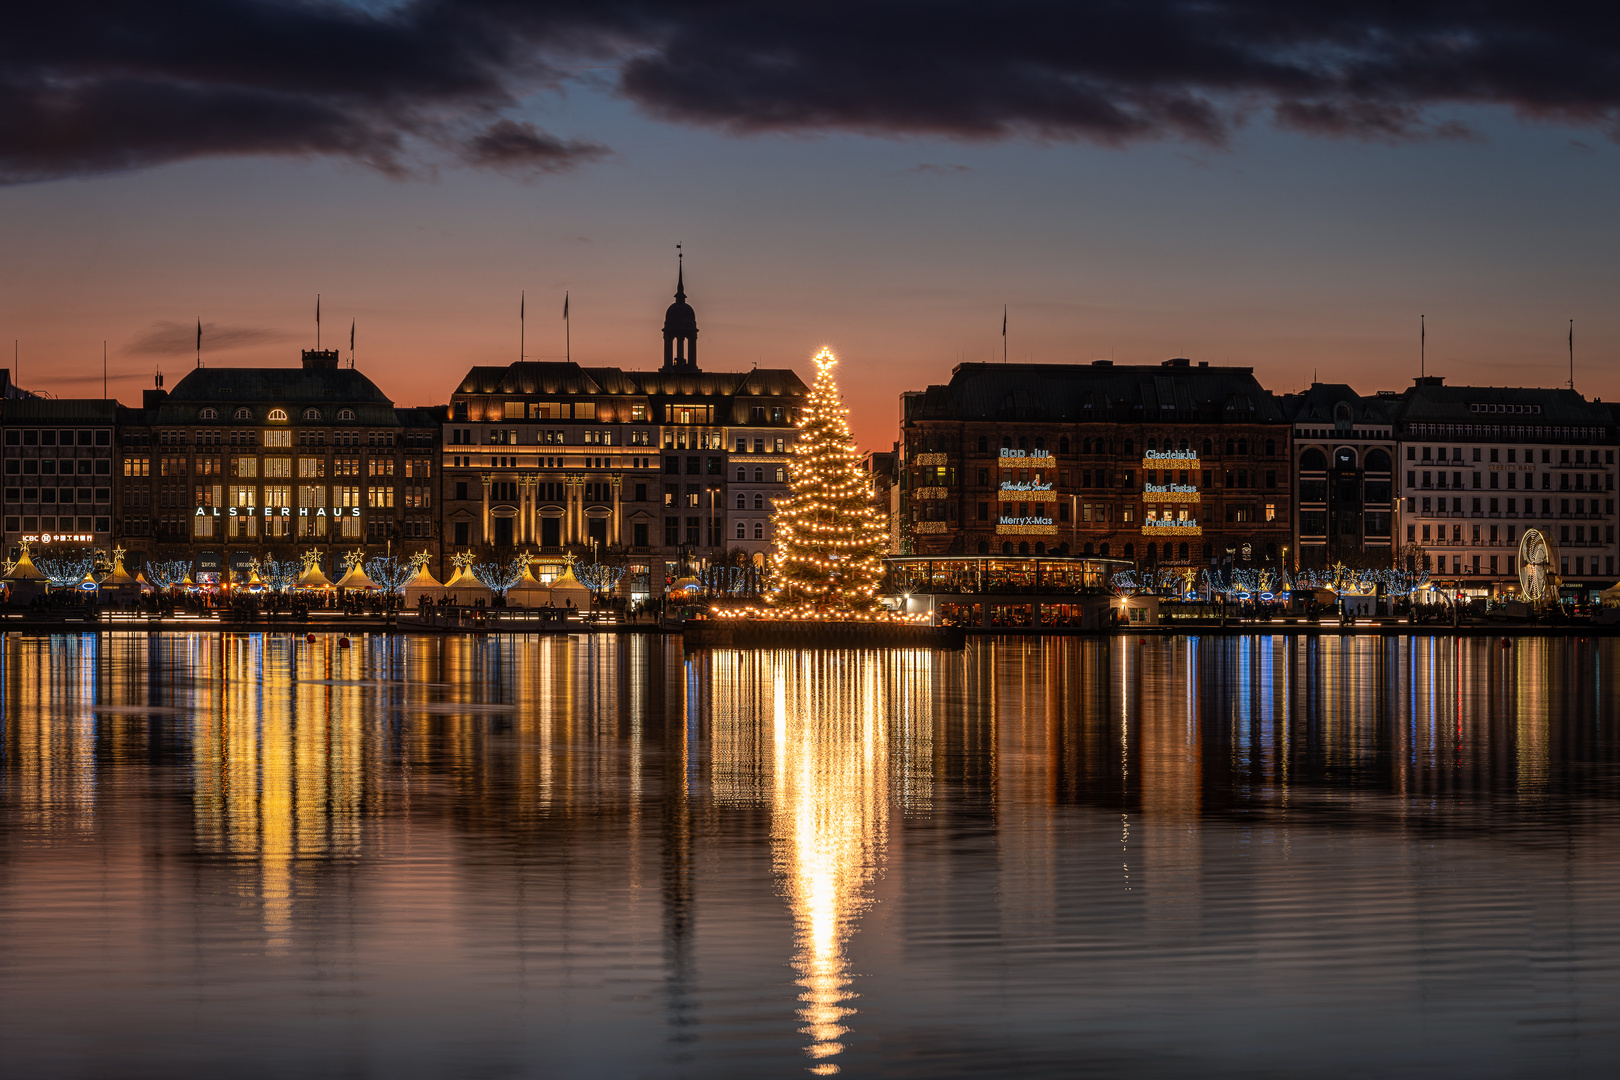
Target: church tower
[[680, 329]]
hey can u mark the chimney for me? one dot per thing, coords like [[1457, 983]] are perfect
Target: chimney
[[320, 358]]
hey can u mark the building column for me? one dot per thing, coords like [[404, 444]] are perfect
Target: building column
[[526, 501], [618, 510], [487, 478]]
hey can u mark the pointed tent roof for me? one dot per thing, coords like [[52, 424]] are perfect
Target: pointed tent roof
[[25, 570], [424, 579], [312, 578], [119, 577], [356, 579], [569, 587], [528, 590]]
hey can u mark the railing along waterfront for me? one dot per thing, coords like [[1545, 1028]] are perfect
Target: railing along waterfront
[[1000, 574]]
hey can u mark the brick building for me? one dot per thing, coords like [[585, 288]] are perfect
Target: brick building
[[1177, 464]]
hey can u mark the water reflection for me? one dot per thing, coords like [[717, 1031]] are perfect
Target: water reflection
[[607, 857]]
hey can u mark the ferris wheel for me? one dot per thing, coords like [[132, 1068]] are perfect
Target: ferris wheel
[[1538, 577]]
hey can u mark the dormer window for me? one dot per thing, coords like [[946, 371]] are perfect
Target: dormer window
[[345, 414], [312, 414], [243, 414], [278, 415], [208, 414]]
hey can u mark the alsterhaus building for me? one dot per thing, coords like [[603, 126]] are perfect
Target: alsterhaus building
[[235, 464]]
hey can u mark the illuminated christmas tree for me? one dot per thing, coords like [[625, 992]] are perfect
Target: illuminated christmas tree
[[830, 539]]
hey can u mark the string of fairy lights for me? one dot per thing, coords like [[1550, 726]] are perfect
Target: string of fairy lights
[[830, 539]]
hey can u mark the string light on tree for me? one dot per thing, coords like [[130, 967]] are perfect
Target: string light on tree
[[830, 539]]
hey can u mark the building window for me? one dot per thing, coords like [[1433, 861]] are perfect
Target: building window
[[345, 414], [208, 414]]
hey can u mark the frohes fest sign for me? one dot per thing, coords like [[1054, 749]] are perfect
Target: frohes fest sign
[[276, 511]]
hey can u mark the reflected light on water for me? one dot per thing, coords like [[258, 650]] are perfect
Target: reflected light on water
[[830, 804]]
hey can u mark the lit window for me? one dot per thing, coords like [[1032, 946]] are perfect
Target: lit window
[[278, 415]]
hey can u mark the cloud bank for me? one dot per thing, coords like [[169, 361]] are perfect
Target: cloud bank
[[89, 86], [180, 339]]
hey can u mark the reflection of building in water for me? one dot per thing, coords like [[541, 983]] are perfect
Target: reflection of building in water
[[50, 729], [824, 737], [278, 766]]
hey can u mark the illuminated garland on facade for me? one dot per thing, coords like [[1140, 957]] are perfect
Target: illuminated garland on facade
[[830, 539]]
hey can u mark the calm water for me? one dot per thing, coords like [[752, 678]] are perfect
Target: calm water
[[251, 856]]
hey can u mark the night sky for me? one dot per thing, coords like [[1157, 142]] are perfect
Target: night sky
[[1287, 186]]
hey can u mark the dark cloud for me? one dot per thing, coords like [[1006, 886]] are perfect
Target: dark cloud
[[180, 339], [94, 85], [522, 148]]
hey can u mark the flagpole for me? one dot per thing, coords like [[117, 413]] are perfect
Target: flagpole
[[199, 341], [1572, 354], [1003, 333], [317, 322], [104, 369], [523, 298], [1423, 345], [568, 332], [351, 343]]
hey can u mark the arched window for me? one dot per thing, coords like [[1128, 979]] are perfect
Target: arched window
[[208, 414], [1040, 548], [1085, 447], [1130, 551], [1152, 443], [1006, 442], [312, 414], [759, 501], [1102, 549], [1243, 446], [742, 501], [277, 415], [759, 530], [759, 474], [1231, 447], [1169, 552], [345, 414], [1040, 442], [984, 545], [1313, 460], [1184, 444], [1023, 442], [1184, 553], [1271, 448], [1209, 448], [1023, 547], [1063, 445], [1006, 547], [741, 533], [1086, 549], [742, 475], [243, 414], [984, 445], [1344, 458]]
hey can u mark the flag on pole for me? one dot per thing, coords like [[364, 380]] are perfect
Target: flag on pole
[[522, 301], [1003, 320], [199, 335], [351, 335], [317, 309], [565, 305]]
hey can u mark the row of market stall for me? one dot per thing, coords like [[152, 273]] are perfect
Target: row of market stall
[[25, 582]]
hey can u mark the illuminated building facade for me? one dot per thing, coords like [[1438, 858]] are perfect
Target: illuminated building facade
[[1478, 465], [1171, 465], [234, 464], [1344, 451], [59, 471], [663, 468]]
